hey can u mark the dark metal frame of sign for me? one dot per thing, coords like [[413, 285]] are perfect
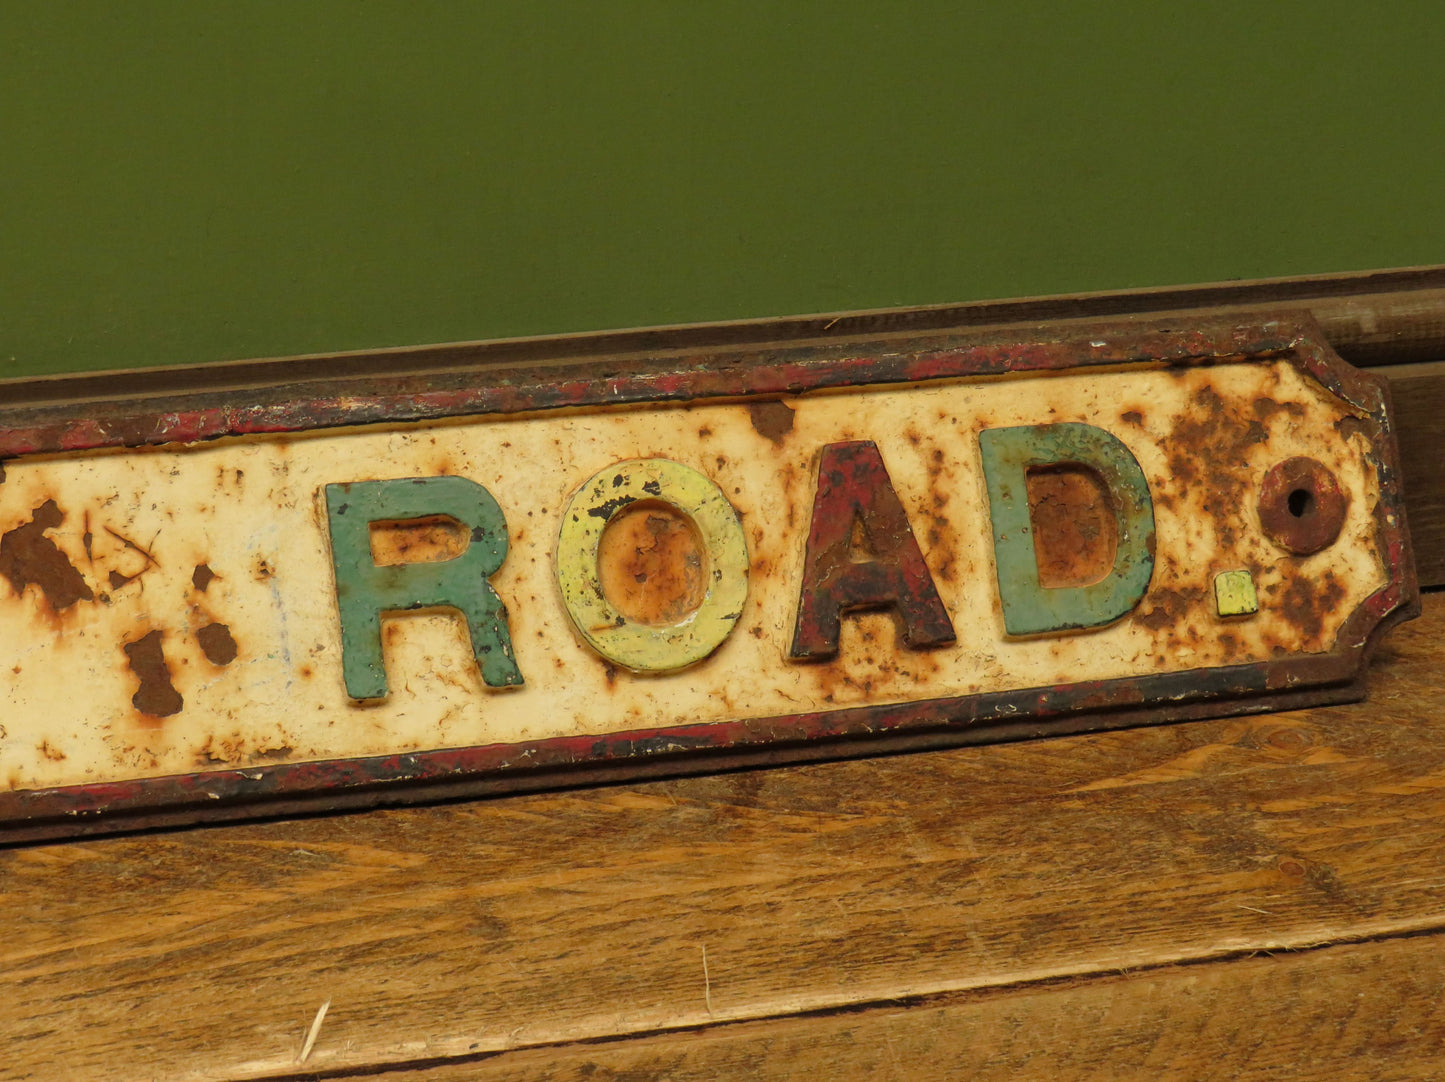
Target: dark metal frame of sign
[[752, 364]]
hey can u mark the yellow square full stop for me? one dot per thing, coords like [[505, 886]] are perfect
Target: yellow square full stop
[[1234, 594]]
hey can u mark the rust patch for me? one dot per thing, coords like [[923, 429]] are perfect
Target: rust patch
[[1350, 425], [429, 540], [157, 696], [203, 577], [943, 543], [1166, 608], [773, 420], [1213, 437], [29, 558], [650, 561], [233, 749], [788, 484], [1266, 407], [227, 750], [1076, 534], [1306, 603], [1210, 461], [217, 644]]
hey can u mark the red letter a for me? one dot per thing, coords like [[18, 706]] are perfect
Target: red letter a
[[853, 487]]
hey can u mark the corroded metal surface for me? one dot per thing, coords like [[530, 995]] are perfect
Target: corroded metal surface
[[172, 617]]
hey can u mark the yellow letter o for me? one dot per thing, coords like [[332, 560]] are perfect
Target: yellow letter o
[[652, 647]]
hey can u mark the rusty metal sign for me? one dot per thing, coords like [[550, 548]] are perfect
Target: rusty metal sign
[[432, 587]]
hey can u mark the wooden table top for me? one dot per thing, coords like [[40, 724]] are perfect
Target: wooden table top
[[1243, 898]]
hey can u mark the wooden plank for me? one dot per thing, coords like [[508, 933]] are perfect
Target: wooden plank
[[536, 920], [1379, 317], [1355, 1013], [1418, 394], [1370, 319]]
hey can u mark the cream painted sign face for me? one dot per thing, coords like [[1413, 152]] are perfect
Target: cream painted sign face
[[456, 599]]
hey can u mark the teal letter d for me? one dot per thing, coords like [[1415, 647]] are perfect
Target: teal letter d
[[1029, 608]]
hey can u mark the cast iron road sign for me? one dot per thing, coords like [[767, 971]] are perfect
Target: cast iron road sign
[[449, 584]]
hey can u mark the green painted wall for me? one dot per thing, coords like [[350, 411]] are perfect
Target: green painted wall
[[188, 180]]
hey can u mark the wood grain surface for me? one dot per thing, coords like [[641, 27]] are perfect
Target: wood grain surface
[[535, 921], [1355, 1013], [1418, 394]]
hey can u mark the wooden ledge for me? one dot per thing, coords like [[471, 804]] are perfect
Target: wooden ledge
[[1031, 905]]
